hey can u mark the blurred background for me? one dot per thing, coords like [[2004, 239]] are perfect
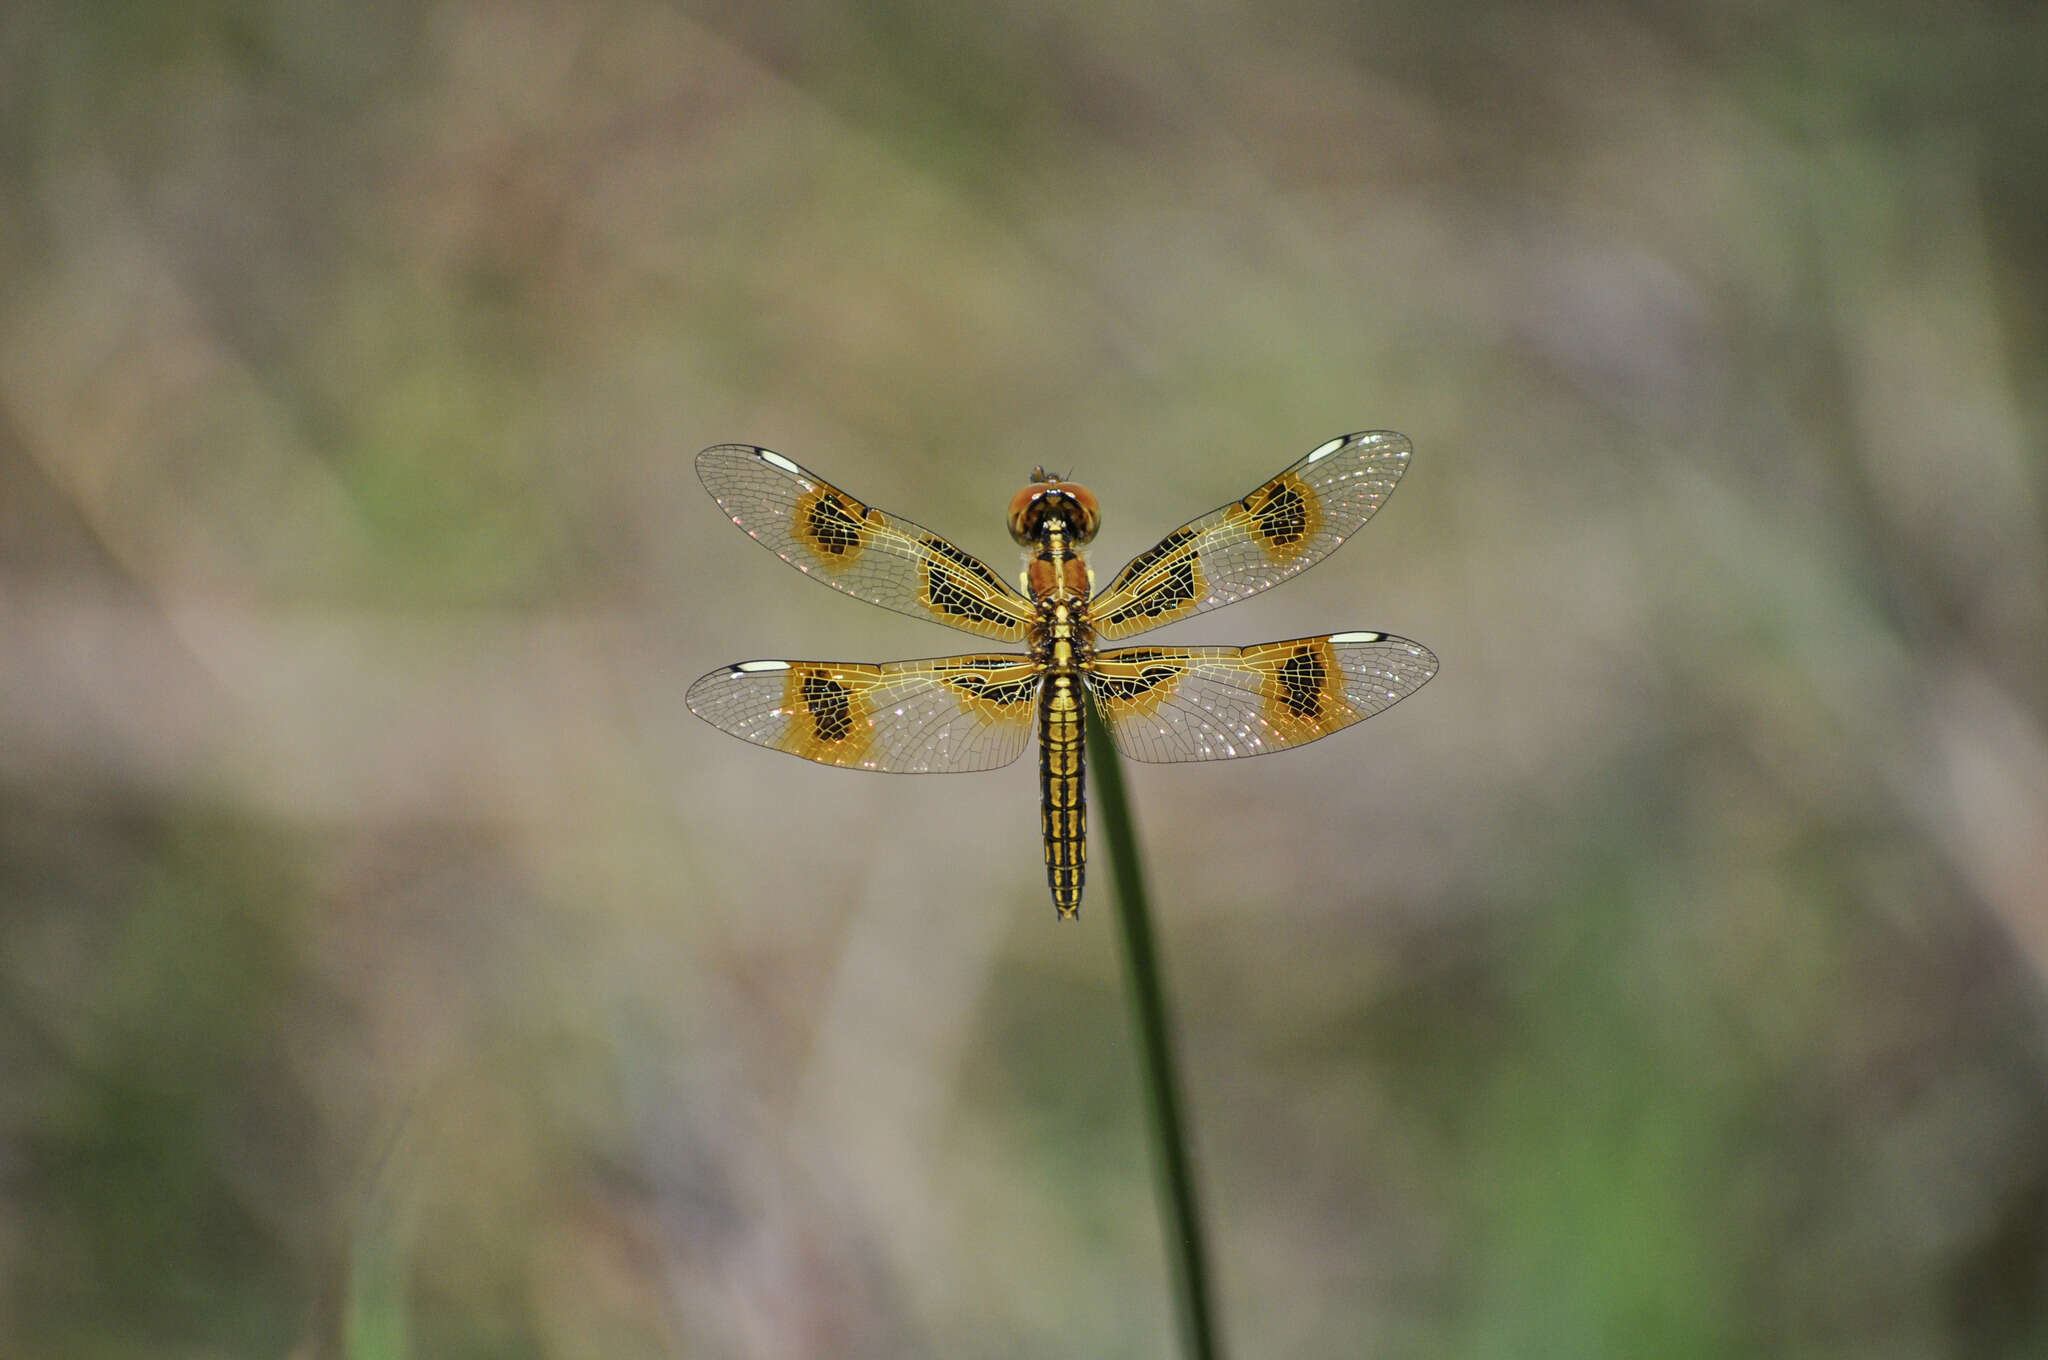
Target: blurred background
[[391, 966]]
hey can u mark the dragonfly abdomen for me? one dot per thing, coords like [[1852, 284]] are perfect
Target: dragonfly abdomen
[[1062, 779]]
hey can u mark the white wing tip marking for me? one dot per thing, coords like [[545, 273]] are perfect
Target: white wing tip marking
[[774, 459], [1325, 450], [749, 667], [1358, 637]]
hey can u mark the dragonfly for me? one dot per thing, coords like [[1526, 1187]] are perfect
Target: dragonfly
[[978, 711]]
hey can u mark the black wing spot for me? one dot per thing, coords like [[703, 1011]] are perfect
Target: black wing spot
[[1302, 678], [967, 562], [830, 707], [947, 589], [834, 526], [1282, 517], [1173, 593], [1002, 695], [1131, 688], [1144, 561]]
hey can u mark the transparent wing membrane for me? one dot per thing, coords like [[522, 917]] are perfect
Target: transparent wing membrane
[[857, 549], [1166, 704], [940, 716], [1237, 550]]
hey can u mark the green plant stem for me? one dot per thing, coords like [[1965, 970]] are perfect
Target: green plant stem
[[1180, 1217]]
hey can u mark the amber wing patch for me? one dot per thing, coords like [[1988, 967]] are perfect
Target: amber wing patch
[[1283, 527], [857, 549], [830, 718], [1303, 687], [996, 694], [832, 525], [1219, 703], [961, 589], [1134, 682], [1284, 516], [1159, 585], [944, 715]]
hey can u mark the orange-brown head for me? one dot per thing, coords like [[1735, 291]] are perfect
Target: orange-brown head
[[1048, 496]]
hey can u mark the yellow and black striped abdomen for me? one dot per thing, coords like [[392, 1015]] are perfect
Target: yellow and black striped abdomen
[[1062, 779]]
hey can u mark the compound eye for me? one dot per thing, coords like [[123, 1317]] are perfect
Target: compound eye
[[1025, 512], [1086, 516], [1031, 507]]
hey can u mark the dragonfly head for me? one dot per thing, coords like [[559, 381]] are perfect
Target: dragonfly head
[[1048, 497]]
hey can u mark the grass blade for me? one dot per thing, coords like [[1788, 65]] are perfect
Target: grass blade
[[1180, 1216]]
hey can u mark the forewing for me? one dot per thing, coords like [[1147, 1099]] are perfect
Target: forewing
[[941, 716], [857, 549], [1250, 545], [1217, 703]]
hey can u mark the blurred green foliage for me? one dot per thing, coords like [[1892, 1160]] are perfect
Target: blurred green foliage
[[390, 966], [151, 1074]]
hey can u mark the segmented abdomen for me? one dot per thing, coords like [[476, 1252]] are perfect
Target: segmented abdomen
[[1062, 763]]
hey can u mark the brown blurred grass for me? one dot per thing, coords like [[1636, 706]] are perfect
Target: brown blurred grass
[[386, 954]]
